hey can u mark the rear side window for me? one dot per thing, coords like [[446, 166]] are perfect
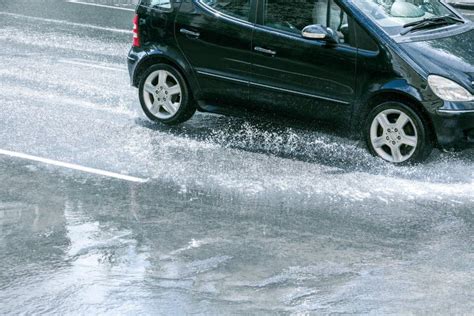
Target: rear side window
[[156, 4], [236, 8]]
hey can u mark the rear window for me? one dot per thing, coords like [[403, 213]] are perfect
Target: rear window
[[157, 4]]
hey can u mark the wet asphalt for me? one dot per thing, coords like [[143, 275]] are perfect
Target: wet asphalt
[[236, 215]]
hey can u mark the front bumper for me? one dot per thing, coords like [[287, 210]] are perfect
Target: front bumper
[[454, 125]]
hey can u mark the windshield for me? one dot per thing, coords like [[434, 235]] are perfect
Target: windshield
[[392, 15]]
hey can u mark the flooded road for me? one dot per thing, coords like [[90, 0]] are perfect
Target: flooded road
[[236, 216], [86, 245]]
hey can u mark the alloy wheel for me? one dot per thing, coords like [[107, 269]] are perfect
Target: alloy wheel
[[162, 94], [394, 135]]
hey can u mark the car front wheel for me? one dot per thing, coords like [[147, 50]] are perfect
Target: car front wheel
[[397, 134]]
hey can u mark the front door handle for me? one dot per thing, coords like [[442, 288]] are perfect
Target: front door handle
[[190, 33], [264, 50]]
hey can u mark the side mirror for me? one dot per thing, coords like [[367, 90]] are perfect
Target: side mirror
[[320, 32]]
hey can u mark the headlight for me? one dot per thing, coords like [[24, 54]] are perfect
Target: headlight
[[449, 90]]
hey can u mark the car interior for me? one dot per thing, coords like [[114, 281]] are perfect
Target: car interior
[[295, 16], [290, 16]]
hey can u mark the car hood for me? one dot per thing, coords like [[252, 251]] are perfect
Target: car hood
[[451, 57]]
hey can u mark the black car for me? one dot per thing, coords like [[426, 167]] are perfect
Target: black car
[[400, 73]]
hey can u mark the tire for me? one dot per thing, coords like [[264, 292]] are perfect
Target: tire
[[164, 95], [397, 134]]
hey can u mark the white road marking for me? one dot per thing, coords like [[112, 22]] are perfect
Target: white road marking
[[99, 5], [72, 166], [94, 27], [86, 64]]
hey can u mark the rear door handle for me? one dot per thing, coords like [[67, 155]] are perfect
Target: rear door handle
[[190, 33], [264, 50]]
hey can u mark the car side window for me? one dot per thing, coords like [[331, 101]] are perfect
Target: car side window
[[294, 16], [236, 8], [157, 4], [364, 41]]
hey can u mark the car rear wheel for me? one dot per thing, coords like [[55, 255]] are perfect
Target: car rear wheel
[[397, 134], [164, 95]]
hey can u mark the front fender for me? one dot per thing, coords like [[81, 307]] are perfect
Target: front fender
[[398, 90]]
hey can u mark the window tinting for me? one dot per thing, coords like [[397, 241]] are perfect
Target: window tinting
[[293, 16], [236, 8], [159, 4], [364, 41]]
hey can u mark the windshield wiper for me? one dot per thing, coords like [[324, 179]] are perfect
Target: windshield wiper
[[426, 23]]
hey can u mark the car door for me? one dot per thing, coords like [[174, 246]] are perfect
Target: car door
[[216, 37], [303, 76]]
